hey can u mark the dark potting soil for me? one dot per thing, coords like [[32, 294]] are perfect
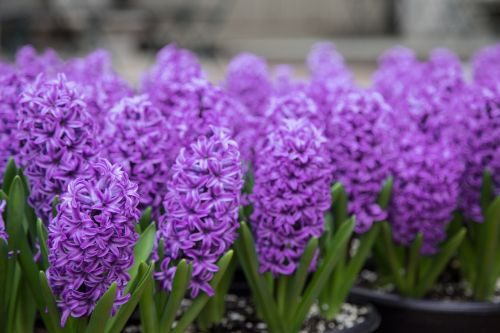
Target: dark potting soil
[[241, 318], [449, 287]]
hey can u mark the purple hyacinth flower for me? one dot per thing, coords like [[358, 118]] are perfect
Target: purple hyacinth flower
[[361, 154], [165, 81], [290, 195], [201, 209], [292, 106], [137, 138], [3, 233], [425, 191], [91, 239], [30, 64], [481, 147], [10, 88], [101, 86], [248, 80], [485, 67], [330, 77], [56, 136]]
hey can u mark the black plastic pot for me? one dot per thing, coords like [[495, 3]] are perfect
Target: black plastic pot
[[405, 315]]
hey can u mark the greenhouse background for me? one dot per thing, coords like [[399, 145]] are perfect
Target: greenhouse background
[[280, 30]]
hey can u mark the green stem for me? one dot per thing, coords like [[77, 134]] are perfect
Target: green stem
[[281, 294]]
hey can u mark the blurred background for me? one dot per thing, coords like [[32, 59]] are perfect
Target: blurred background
[[280, 30]]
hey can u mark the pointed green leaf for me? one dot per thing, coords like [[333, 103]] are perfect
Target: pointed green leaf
[[299, 278], [143, 248], [323, 272], [145, 218], [55, 202], [199, 303], [179, 287], [51, 308], [147, 307], [486, 191], [117, 323], [439, 262], [385, 195], [42, 241], [247, 257], [411, 272], [8, 175], [102, 311]]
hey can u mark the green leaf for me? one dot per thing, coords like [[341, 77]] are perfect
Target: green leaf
[[117, 323], [390, 255], [486, 191], [51, 308], [439, 262], [145, 220], [102, 311], [247, 257], [323, 272], [143, 248], [55, 202], [8, 175], [339, 204], [298, 280], [199, 303], [411, 272], [42, 241], [384, 197], [487, 251], [147, 307], [179, 287]]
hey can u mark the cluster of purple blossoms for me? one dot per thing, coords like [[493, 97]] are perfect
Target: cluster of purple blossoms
[[398, 72], [292, 106], [426, 189], [360, 151], [165, 82], [248, 81], [100, 85], [330, 77], [485, 66], [56, 138], [91, 239], [3, 233], [482, 146], [284, 82], [201, 209], [136, 137], [10, 87], [290, 195], [30, 64]]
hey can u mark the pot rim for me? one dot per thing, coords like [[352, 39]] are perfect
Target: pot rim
[[447, 306]]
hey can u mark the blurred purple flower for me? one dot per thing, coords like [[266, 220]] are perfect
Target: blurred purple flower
[[137, 138], [425, 191], [248, 81], [56, 137], [361, 153], [485, 67]]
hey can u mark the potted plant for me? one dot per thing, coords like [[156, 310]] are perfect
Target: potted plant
[[435, 268]]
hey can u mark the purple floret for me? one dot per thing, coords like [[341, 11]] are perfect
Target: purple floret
[[91, 239], [137, 138], [248, 81], [56, 136], [290, 195], [425, 190], [361, 154], [201, 209]]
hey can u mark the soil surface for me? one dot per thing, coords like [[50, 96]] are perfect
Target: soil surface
[[450, 286], [241, 318]]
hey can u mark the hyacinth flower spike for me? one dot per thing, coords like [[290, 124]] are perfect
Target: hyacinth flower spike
[[280, 248], [95, 217], [196, 231]]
